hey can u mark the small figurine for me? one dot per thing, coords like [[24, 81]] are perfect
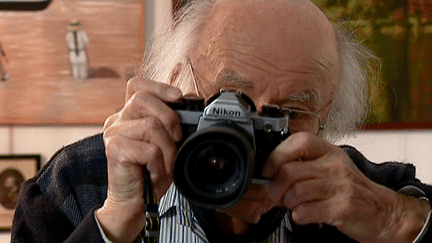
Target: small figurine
[[77, 40]]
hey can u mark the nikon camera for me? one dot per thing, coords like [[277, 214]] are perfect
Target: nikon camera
[[225, 144]]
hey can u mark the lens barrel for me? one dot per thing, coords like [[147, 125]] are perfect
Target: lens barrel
[[214, 166]]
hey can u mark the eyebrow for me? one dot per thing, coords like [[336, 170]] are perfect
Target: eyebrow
[[308, 96], [231, 78]]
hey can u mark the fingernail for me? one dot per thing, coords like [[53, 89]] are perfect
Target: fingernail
[[173, 93]]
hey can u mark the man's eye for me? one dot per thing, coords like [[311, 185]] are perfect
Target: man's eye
[[297, 115], [293, 115]]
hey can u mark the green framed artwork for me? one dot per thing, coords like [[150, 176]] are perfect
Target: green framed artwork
[[400, 34]]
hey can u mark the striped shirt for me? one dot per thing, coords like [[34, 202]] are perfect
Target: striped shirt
[[178, 223]]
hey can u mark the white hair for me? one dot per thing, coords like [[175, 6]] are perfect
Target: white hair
[[349, 108], [360, 70]]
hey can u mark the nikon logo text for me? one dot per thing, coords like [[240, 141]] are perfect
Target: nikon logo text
[[225, 112]]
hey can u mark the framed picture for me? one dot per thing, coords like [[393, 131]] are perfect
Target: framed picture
[[39, 86], [14, 170], [399, 33]]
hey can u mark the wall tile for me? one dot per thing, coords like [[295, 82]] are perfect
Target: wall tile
[[4, 140]]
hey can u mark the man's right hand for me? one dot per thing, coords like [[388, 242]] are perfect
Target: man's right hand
[[143, 133]]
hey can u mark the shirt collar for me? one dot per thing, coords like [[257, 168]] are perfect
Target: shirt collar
[[173, 200]]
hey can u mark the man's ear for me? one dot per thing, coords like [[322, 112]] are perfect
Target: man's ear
[[175, 72]]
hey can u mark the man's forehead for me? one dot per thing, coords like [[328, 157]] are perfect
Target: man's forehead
[[254, 26], [294, 11], [280, 38]]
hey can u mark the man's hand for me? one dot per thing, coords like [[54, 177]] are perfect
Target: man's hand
[[320, 184], [143, 133]]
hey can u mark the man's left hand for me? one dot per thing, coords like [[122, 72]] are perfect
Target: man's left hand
[[320, 184]]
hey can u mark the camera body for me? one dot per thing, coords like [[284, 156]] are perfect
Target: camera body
[[225, 144]]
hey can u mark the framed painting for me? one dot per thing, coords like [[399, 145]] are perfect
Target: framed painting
[[14, 170], [40, 54], [399, 33]]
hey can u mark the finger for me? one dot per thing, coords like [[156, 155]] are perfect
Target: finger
[[143, 105], [333, 211], [163, 91], [345, 203], [131, 162], [288, 177], [307, 213], [151, 131], [123, 151], [110, 120], [306, 191], [126, 158], [299, 146]]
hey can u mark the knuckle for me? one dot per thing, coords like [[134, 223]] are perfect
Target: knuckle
[[114, 149], [135, 98], [137, 85], [303, 138], [110, 121], [151, 123], [133, 83], [288, 171], [152, 153], [296, 195], [301, 143], [109, 131], [297, 190], [171, 118]]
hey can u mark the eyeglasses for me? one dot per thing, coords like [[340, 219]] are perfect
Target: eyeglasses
[[193, 78], [298, 120]]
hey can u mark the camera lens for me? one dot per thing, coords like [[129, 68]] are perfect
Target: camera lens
[[213, 167]]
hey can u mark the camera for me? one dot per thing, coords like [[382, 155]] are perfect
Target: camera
[[225, 144]]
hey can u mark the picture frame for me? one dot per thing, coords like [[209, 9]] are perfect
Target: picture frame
[[399, 33], [39, 87], [14, 170]]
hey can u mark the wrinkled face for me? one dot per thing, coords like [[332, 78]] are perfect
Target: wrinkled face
[[282, 53]]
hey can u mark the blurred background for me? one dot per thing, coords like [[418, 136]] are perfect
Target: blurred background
[[43, 108]]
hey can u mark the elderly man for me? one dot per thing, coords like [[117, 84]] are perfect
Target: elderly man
[[279, 53]]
